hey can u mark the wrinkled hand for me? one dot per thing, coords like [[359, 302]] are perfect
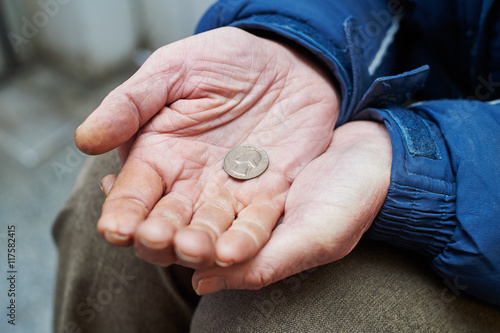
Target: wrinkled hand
[[331, 203], [175, 120]]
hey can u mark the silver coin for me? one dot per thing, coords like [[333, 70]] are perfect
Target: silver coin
[[246, 162]]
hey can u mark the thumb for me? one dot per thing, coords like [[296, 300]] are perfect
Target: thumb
[[131, 105]]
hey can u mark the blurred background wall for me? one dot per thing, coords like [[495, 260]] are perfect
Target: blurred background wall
[[92, 38], [58, 60]]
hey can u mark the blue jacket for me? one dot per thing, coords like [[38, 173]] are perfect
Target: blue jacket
[[444, 198]]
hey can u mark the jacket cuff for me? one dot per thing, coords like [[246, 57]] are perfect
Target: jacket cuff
[[419, 212], [415, 227]]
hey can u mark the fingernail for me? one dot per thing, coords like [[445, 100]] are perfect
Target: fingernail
[[114, 237], [223, 264], [100, 186], [153, 245], [187, 258], [210, 285]]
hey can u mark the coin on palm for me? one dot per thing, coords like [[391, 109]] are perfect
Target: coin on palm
[[246, 162]]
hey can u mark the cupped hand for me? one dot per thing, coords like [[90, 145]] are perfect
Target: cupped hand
[[176, 119], [331, 203]]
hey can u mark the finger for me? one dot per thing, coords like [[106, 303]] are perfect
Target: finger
[[195, 244], [107, 183], [136, 190], [248, 233], [154, 237], [197, 248]]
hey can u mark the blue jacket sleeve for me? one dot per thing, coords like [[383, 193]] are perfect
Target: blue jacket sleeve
[[351, 38], [444, 198]]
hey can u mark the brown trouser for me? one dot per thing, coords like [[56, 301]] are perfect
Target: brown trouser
[[377, 288]]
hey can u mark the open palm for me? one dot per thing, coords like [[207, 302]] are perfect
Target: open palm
[[174, 122]]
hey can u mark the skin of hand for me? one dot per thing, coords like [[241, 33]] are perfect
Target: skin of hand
[[329, 206], [176, 119]]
